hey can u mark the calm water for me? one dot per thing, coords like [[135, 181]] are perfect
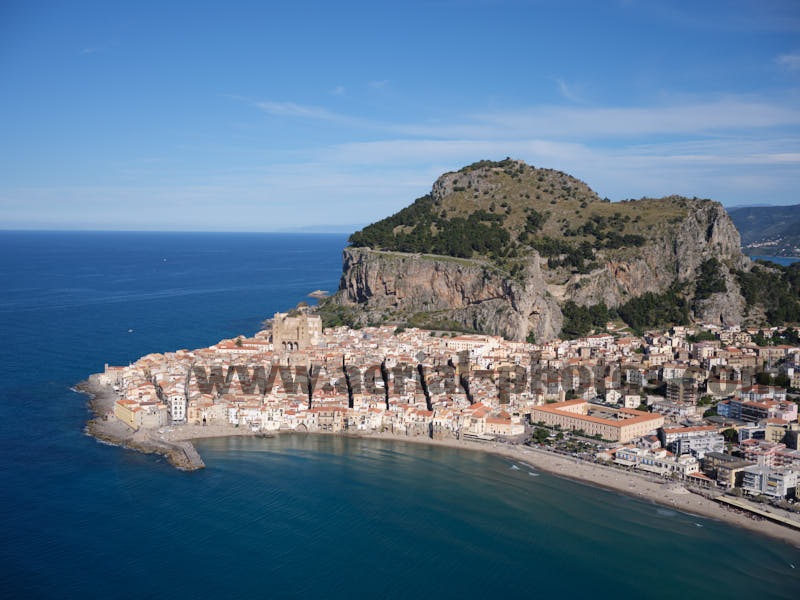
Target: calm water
[[295, 516], [781, 260]]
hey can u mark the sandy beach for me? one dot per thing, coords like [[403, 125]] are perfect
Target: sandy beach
[[175, 443], [667, 493]]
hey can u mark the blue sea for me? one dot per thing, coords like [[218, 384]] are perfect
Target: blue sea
[[294, 516], [780, 260]]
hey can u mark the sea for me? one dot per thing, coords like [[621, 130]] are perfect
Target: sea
[[294, 516], [784, 261]]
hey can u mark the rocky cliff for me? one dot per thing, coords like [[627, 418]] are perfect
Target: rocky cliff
[[439, 292], [501, 247], [673, 254]]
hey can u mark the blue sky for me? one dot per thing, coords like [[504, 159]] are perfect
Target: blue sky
[[268, 116]]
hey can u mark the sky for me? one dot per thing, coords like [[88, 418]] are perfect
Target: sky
[[272, 116]]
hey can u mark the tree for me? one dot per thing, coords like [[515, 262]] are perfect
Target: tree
[[731, 435], [774, 287], [422, 228], [580, 320], [709, 280], [705, 400], [541, 435], [656, 310], [763, 378], [702, 336]]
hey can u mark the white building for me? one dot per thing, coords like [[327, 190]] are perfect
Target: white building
[[776, 483], [176, 404], [696, 441], [658, 461], [631, 400]]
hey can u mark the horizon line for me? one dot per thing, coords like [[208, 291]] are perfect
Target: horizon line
[[220, 231]]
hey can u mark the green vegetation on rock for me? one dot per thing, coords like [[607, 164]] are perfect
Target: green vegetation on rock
[[507, 209], [334, 314], [579, 321], [775, 288], [421, 229], [709, 280], [528, 253], [656, 310]]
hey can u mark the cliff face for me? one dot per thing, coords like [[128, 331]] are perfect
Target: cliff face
[[673, 253], [432, 291], [517, 292]]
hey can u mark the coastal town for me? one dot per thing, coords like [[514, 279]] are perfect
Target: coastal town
[[702, 406]]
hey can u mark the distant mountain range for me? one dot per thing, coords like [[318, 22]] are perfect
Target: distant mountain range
[[768, 230]]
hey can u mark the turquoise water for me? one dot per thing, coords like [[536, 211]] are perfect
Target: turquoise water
[[294, 516]]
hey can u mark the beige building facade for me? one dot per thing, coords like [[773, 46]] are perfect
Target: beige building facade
[[617, 425], [295, 332]]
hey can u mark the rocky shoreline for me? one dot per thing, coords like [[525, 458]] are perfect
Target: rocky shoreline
[[107, 428]]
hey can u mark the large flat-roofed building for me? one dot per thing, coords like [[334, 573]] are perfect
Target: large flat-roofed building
[[726, 469], [777, 483], [692, 440], [614, 424]]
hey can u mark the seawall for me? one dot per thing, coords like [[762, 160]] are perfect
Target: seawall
[[105, 427]]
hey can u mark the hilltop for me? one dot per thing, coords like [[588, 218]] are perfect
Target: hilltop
[[502, 209], [506, 248]]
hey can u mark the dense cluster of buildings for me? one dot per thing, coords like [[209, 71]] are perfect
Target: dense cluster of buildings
[[658, 403]]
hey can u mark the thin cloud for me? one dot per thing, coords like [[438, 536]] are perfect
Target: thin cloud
[[790, 61], [567, 91], [726, 116], [290, 109], [616, 122], [427, 151], [373, 179]]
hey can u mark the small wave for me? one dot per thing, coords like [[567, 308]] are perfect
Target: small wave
[[532, 474], [515, 467], [107, 443], [101, 441], [666, 512]]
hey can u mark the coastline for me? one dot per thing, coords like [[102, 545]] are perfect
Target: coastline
[[175, 443], [106, 428], [669, 494]]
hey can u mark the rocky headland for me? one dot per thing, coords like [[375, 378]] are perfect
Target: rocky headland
[[503, 247], [105, 427]]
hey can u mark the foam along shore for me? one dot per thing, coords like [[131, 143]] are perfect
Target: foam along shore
[[666, 493], [638, 485], [175, 443]]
